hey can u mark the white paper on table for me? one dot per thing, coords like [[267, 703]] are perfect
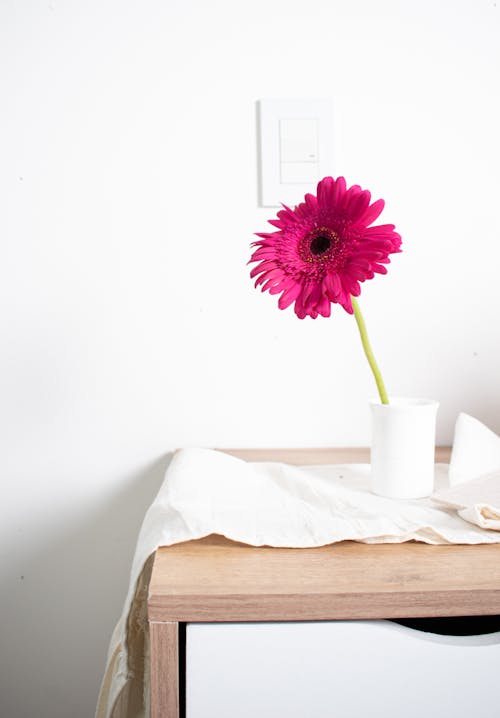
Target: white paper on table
[[476, 450]]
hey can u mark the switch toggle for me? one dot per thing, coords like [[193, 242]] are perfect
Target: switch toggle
[[299, 140], [298, 150]]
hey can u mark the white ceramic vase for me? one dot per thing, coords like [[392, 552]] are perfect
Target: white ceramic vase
[[402, 449]]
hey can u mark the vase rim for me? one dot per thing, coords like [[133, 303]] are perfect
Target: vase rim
[[405, 402]]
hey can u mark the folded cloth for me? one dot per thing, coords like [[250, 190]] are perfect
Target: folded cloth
[[477, 501], [274, 504], [474, 474]]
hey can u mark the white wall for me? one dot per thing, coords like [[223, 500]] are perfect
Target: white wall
[[129, 323]]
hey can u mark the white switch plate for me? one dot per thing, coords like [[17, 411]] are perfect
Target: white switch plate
[[296, 148]]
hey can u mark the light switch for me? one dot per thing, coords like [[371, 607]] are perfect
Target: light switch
[[299, 173], [296, 141], [299, 140]]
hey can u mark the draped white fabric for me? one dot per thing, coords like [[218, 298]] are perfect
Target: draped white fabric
[[273, 504]]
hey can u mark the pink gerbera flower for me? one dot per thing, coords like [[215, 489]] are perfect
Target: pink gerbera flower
[[323, 249]]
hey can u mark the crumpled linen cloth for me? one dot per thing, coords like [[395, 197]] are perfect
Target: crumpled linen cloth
[[476, 501], [207, 491], [474, 474]]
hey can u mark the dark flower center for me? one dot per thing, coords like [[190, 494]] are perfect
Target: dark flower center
[[320, 245]]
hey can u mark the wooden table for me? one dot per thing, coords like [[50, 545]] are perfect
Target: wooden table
[[216, 580]]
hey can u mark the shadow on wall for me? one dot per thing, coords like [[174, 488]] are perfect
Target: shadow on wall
[[58, 615]]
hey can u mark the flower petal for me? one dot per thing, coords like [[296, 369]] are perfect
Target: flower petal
[[347, 304], [324, 307], [325, 192], [331, 283], [358, 205], [338, 191], [263, 267], [372, 212], [272, 274], [311, 202], [351, 193], [289, 296], [278, 286]]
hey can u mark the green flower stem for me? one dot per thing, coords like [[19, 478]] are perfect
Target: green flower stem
[[368, 351]]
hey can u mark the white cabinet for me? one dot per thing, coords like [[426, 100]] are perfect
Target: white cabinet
[[341, 669]]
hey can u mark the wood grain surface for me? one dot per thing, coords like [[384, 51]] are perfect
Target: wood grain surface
[[164, 674], [214, 579], [304, 457]]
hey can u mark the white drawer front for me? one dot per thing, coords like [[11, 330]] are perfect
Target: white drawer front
[[344, 669]]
